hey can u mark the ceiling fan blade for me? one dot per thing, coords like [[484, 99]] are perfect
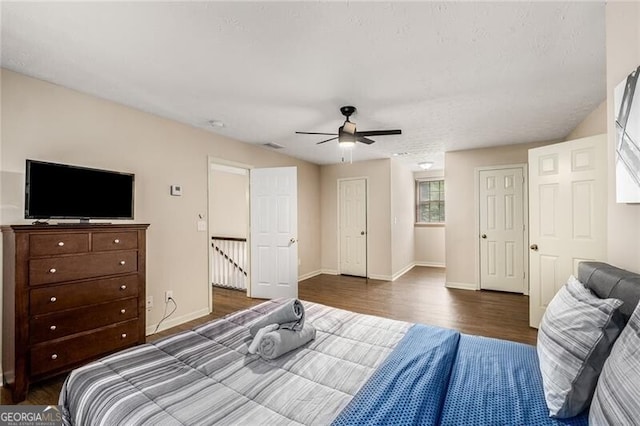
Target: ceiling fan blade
[[315, 133], [328, 140], [379, 132], [365, 140]]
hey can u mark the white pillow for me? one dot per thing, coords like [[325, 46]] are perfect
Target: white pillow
[[574, 339], [617, 397]]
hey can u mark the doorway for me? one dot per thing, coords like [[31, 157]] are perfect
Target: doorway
[[228, 226], [502, 219], [252, 223], [352, 226]]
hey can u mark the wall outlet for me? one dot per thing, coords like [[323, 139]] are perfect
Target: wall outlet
[[168, 295], [149, 302]]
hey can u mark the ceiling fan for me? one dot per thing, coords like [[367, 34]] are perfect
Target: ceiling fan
[[347, 135]]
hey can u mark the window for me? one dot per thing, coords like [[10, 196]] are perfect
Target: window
[[430, 201]]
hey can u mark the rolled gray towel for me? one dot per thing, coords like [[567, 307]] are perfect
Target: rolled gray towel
[[289, 316], [279, 342]]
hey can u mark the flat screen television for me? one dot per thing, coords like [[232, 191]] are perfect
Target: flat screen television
[[62, 191]]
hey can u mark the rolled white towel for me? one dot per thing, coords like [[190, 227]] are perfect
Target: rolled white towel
[[278, 342], [290, 315], [253, 347]]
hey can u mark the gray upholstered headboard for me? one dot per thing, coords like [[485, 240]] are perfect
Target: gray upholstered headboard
[[608, 281]]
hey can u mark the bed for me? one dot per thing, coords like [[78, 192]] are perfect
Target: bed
[[360, 369]]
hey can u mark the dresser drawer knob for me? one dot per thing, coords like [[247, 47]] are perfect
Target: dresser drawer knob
[[53, 299], [54, 356], [122, 262], [123, 287], [52, 270], [122, 311], [53, 328], [60, 243], [124, 335], [116, 241]]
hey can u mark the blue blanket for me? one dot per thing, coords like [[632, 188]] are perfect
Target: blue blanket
[[439, 377], [497, 382], [407, 389]]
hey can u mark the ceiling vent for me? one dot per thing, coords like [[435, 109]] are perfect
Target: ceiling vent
[[273, 145]]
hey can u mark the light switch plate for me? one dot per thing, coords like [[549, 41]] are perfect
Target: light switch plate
[[176, 190]]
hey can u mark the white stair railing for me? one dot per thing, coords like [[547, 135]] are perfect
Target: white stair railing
[[229, 262]]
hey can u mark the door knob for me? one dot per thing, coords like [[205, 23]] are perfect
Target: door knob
[[362, 232], [534, 247], [484, 235], [292, 241]]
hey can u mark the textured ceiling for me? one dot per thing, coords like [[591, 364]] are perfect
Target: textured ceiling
[[450, 75]]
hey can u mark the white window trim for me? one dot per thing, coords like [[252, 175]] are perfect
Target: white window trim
[[415, 204]]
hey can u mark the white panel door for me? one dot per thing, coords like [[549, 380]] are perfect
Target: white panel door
[[274, 229], [567, 213], [502, 232], [353, 227]]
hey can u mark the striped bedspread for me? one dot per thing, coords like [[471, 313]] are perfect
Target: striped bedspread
[[359, 370], [206, 375]]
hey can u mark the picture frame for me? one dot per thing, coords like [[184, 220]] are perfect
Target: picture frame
[[626, 100]]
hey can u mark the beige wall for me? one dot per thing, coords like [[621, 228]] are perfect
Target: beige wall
[[402, 218], [49, 122], [623, 56], [461, 212], [430, 245], [429, 239], [594, 124], [228, 204], [377, 173]]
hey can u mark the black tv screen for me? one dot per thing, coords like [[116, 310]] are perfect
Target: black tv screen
[[61, 191]]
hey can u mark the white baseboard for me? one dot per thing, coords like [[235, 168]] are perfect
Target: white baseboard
[[380, 277], [461, 286], [431, 264], [309, 275], [172, 322], [403, 271], [329, 271]]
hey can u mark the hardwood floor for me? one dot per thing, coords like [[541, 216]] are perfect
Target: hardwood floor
[[418, 296]]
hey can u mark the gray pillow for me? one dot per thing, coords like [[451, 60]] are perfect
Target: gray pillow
[[574, 339], [617, 397]]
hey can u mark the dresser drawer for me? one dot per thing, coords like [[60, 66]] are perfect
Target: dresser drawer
[[60, 324], [104, 241], [56, 298], [63, 243], [52, 356], [57, 269]]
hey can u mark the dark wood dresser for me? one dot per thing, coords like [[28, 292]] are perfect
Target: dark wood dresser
[[72, 293]]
